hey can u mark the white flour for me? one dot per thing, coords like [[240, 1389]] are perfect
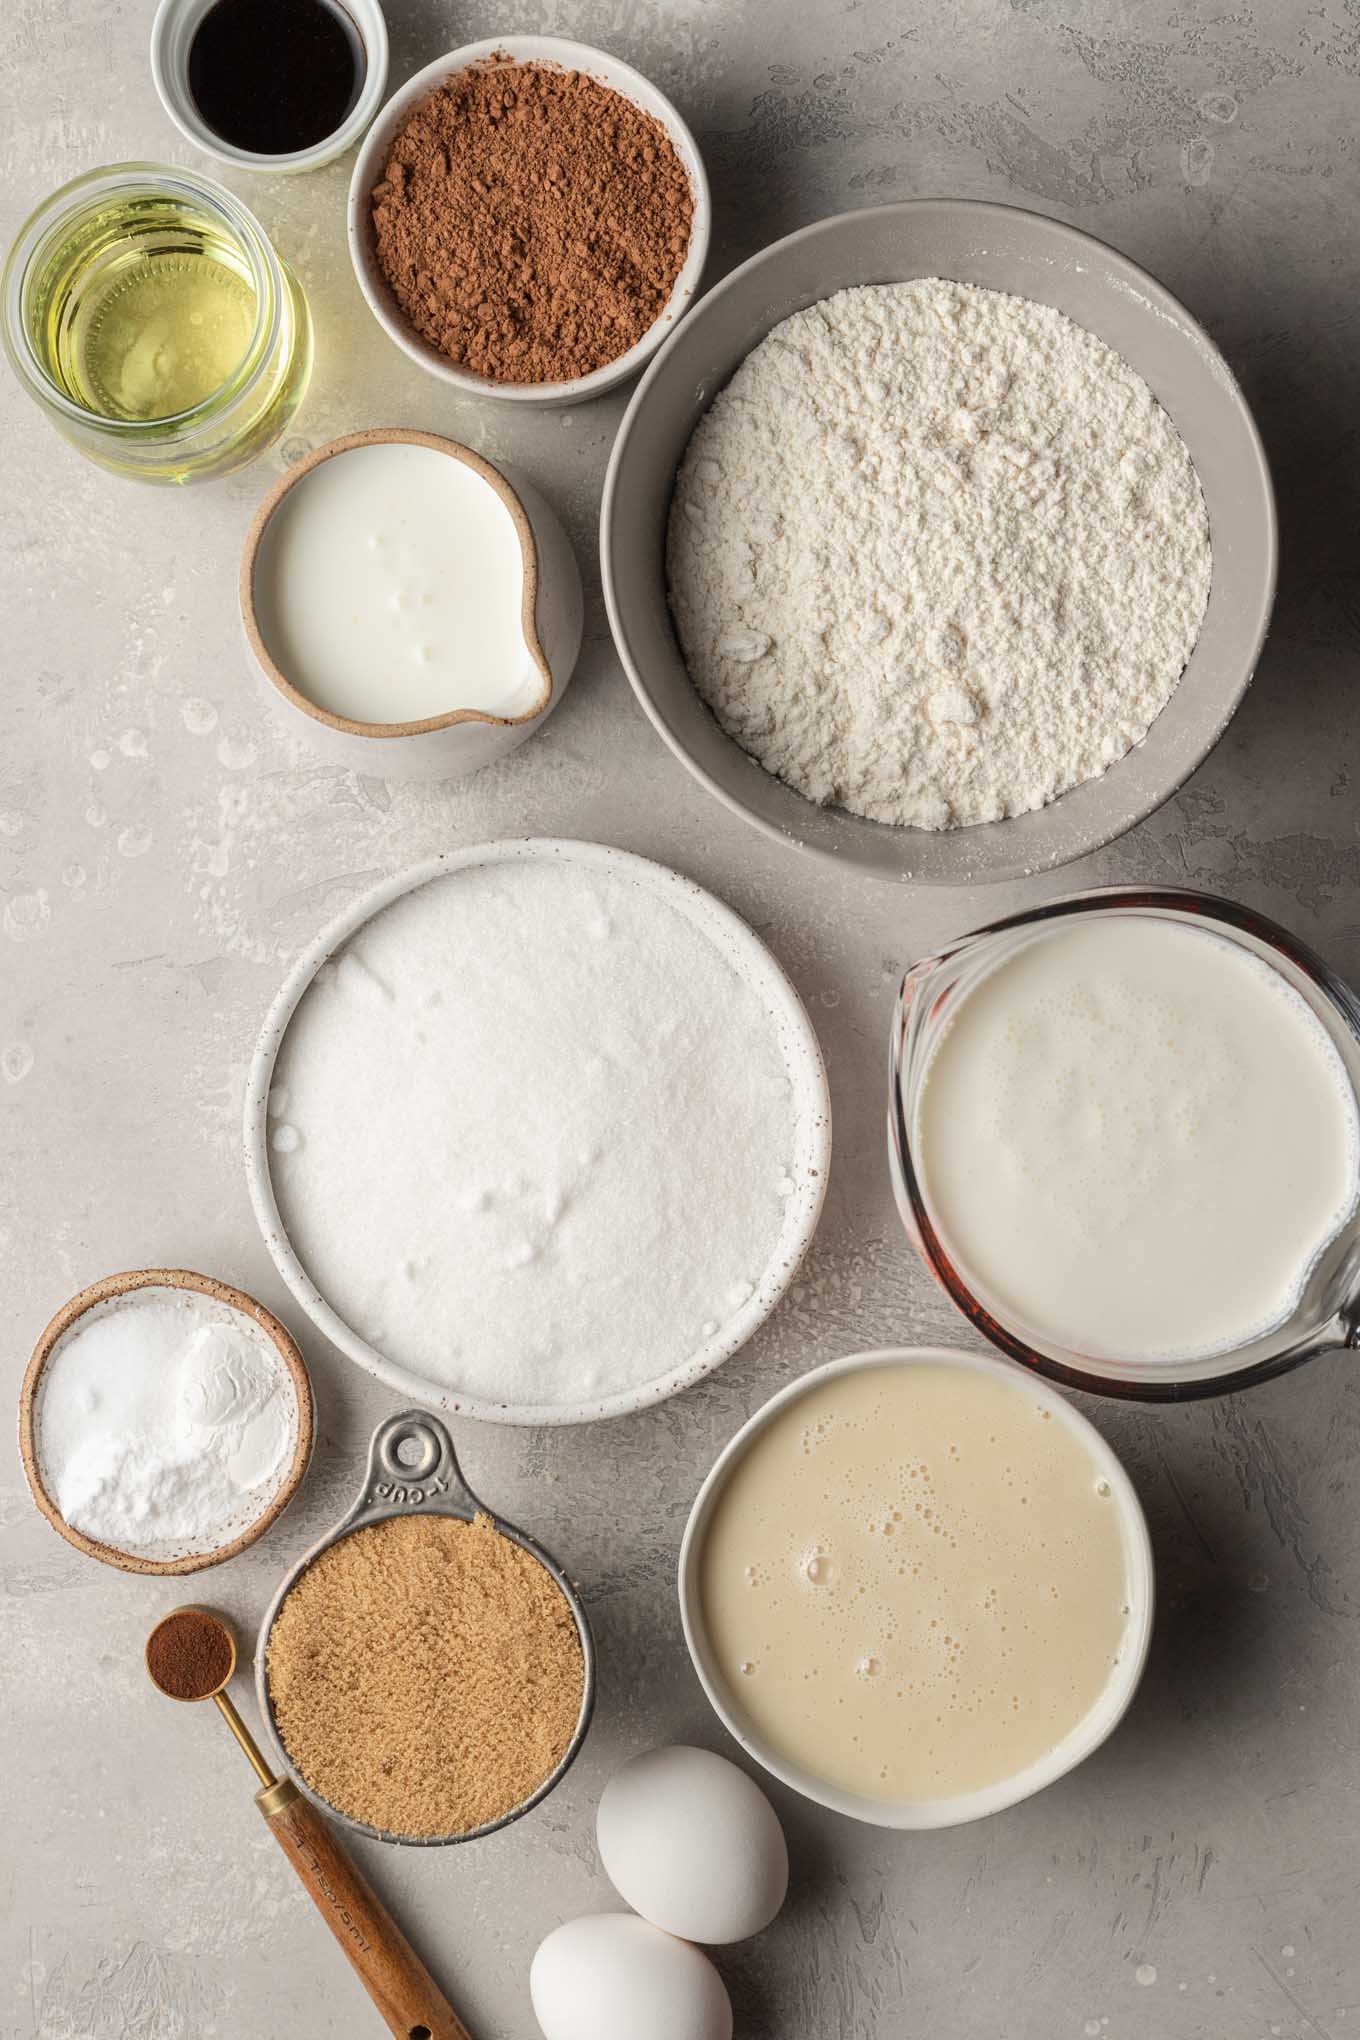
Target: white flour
[[165, 1423], [532, 1135], [936, 554]]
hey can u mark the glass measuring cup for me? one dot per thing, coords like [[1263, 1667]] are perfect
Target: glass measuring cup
[[1327, 1313]]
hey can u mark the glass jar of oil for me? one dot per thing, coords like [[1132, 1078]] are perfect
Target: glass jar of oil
[[146, 311]]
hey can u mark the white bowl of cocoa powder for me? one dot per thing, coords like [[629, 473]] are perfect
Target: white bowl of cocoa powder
[[528, 219]]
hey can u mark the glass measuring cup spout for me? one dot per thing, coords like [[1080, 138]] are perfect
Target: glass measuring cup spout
[[1325, 1315]]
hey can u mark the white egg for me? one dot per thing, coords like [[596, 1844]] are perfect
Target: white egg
[[610, 1976], [693, 1844]]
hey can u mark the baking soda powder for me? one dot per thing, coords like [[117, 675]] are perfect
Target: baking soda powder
[[165, 1423]]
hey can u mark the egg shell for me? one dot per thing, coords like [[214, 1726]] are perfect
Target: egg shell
[[611, 1976], [693, 1844]]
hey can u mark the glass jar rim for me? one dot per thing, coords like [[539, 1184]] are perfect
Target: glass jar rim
[[78, 196]]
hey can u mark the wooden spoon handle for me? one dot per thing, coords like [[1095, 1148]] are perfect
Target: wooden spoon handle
[[394, 1976]]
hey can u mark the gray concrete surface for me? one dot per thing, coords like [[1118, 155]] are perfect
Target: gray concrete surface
[[164, 852]]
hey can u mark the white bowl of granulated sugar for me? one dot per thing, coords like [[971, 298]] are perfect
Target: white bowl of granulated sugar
[[538, 1132]]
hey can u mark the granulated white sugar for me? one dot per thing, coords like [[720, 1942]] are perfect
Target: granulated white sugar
[[533, 1136], [937, 554], [165, 1423]]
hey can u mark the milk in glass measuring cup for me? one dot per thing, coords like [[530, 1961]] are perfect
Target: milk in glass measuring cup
[[1125, 1137]]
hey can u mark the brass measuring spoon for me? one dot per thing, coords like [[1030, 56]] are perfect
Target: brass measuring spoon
[[191, 1655]]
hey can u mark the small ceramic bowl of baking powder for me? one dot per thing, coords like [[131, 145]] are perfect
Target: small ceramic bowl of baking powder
[[165, 1421], [368, 171], [413, 611]]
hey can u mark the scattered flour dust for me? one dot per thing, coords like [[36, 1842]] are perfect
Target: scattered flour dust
[[532, 1135], [936, 554]]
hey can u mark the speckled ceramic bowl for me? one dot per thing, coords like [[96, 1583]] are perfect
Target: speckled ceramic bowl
[[1001, 249], [811, 1109], [108, 1292]]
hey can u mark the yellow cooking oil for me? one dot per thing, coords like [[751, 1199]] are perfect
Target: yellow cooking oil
[[150, 309], [145, 310]]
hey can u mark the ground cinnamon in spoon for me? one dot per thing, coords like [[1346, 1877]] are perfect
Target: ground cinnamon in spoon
[[189, 1654], [426, 1675], [531, 222]]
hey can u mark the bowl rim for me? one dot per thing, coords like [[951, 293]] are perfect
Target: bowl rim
[[621, 77], [395, 435], [125, 1284], [369, 24], [1107, 831], [808, 1079], [1081, 1742]]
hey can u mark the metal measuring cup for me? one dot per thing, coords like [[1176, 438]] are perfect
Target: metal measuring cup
[[428, 1481]]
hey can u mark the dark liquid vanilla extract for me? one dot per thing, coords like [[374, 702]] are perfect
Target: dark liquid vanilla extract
[[275, 76]]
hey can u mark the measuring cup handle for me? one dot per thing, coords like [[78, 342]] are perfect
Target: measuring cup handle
[[394, 1976], [428, 1475]]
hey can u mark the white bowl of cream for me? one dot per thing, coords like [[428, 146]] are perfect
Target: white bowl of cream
[[414, 611], [917, 1587]]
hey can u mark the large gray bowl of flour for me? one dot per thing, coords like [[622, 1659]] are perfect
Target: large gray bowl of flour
[[998, 248]]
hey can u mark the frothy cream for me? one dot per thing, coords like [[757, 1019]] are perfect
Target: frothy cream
[[915, 1580]]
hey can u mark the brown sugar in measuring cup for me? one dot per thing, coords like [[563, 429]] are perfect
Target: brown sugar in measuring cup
[[478, 1707], [487, 1703]]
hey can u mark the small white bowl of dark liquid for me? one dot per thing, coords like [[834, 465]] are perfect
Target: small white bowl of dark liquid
[[277, 85]]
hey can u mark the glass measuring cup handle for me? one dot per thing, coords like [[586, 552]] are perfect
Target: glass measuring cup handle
[[412, 1464]]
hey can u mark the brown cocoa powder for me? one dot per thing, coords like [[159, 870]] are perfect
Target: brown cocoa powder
[[531, 222]]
